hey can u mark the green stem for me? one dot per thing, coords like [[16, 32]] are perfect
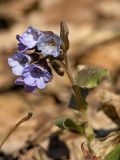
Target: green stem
[[80, 101], [75, 88]]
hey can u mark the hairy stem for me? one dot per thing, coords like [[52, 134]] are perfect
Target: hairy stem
[[76, 90], [80, 101]]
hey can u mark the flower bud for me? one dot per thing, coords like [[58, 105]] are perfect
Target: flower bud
[[58, 69]]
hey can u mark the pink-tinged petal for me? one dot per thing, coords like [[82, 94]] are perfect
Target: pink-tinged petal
[[41, 83], [17, 70]]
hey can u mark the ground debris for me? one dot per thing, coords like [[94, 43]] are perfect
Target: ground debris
[[110, 104]]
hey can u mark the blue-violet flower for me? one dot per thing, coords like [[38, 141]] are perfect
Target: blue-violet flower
[[28, 39], [49, 44], [32, 65], [35, 76], [19, 62], [27, 88]]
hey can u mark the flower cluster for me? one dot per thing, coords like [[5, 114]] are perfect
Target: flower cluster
[[30, 60]]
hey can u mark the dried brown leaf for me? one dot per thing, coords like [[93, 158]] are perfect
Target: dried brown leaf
[[64, 31], [88, 155]]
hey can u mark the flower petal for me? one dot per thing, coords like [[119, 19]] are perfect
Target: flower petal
[[47, 76], [19, 81], [12, 62], [29, 80], [27, 88], [49, 44], [22, 47], [17, 70], [41, 83], [27, 39]]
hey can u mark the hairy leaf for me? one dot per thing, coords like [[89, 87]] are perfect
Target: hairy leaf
[[68, 123], [90, 77]]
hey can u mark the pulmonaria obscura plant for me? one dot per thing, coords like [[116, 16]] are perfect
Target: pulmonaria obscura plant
[[35, 50], [41, 51]]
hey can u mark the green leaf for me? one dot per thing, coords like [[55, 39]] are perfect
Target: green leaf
[[90, 77], [68, 123], [64, 31], [114, 154]]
